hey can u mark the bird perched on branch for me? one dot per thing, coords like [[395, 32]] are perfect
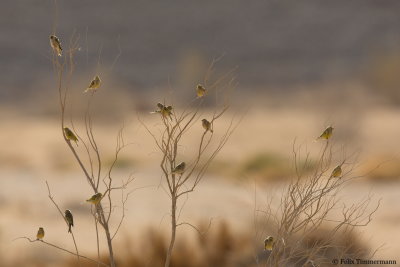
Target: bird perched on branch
[[70, 135], [95, 199], [40, 233], [206, 125], [326, 134], [165, 111], [56, 45], [337, 172], [200, 90], [70, 219], [269, 243], [179, 169], [94, 84]]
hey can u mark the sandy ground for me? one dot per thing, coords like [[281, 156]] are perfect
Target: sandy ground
[[33, 152]]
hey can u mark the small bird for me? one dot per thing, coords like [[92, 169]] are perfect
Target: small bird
[[327, 133], [70, 135], [56, 45], [269, 243], [337, 172], [40, 233], [206, 125], [95, 199], [169, 109], [179, 169], [94, 84], [165, 111], [200, 90], [160, 106], [70, 219]]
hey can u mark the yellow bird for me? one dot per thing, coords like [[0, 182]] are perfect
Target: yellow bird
[[165, 111], [40, 233], [70, 219], [337, 172], [269, 243], [327, 133], [56, 45], [206, 125], [179, 169], [94, 84], [95, 199], [169, 109], [70, 135], [201, 91]]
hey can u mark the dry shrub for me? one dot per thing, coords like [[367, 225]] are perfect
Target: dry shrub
[[312, 224]]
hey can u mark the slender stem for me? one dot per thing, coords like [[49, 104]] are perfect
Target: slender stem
[[59, 210], [173, 231], [109, 242], [104, 224], [97, 239]]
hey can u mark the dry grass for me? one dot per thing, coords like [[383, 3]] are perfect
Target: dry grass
[[311, 204], [221, 246]]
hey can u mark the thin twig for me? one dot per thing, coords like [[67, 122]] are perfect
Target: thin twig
[[65, 220], [60, 248]]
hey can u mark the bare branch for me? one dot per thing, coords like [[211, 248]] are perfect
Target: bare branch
[[195, 228], [65, 220], [60, 248]]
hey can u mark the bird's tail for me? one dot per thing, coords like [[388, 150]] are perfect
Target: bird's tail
[[318, 138], [69, 228], [76, 142], [93, 90]]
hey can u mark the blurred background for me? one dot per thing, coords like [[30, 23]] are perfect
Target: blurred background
[[299, 66]]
